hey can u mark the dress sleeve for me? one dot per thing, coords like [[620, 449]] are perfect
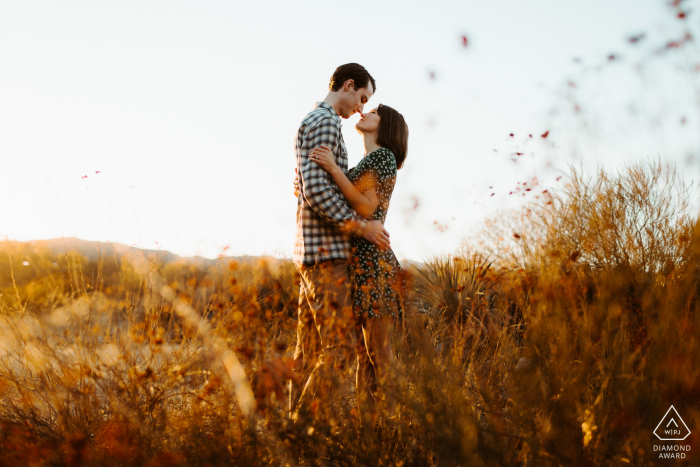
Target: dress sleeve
[[378, 167], [365, 175]]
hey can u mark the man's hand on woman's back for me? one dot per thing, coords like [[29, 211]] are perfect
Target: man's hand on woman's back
[[377, 234]]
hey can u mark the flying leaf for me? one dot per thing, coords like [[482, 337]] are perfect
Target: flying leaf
[[635, 39]]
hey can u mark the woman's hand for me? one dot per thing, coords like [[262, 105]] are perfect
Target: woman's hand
[[297, 190], [325, 158]]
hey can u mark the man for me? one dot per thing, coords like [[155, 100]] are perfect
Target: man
[[325, 330]]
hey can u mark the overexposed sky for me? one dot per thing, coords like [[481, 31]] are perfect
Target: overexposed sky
[[188, 110]]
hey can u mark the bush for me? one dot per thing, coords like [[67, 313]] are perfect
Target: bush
[[533, 356]]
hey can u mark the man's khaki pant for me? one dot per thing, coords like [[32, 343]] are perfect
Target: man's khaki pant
[[326, 336]]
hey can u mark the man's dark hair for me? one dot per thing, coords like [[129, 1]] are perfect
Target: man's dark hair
[[392, 133], [353, 71]]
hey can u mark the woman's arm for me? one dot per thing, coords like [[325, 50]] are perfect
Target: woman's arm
[[362, 198]]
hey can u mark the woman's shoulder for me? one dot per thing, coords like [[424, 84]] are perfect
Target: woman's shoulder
[[383, 155]]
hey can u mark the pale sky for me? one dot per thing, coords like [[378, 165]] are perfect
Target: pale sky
[[188, 110]]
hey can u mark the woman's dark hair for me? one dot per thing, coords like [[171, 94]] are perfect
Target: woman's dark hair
[[353, 71], [392, 133]]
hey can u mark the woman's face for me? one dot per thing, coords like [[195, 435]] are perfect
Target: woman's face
[[369, 123]]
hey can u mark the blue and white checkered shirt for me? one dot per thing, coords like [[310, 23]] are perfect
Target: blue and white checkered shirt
[[322, 211]]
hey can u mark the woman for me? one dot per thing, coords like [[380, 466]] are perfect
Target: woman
[[378, 288]]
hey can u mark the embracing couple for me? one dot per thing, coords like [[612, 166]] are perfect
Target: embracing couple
[[352, 286]]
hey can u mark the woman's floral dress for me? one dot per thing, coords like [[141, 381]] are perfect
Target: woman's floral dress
[[378, 286]]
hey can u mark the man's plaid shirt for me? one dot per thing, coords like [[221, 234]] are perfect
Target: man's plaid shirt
[[322, 211]]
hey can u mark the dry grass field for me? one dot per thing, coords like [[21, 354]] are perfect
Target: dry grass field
[[559, 337]]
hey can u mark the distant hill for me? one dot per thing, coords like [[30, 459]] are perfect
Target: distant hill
[[90, 249], [115, 251]]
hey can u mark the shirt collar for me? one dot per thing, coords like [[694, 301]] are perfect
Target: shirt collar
[[329, 108]]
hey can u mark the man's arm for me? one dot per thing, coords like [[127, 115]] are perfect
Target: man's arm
[[316, 184], [360, 195], [318, 191]]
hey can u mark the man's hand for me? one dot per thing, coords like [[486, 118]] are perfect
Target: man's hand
[[297, 190], [376, 234]]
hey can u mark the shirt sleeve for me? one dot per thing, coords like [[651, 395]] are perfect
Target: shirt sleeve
[[316, 184]]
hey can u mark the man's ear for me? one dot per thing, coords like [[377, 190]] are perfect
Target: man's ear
[[348, 84]]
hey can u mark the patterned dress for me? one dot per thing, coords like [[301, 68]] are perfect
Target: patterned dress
[[378, 286]]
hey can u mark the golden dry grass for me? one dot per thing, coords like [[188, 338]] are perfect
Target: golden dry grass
[[564, 347]]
